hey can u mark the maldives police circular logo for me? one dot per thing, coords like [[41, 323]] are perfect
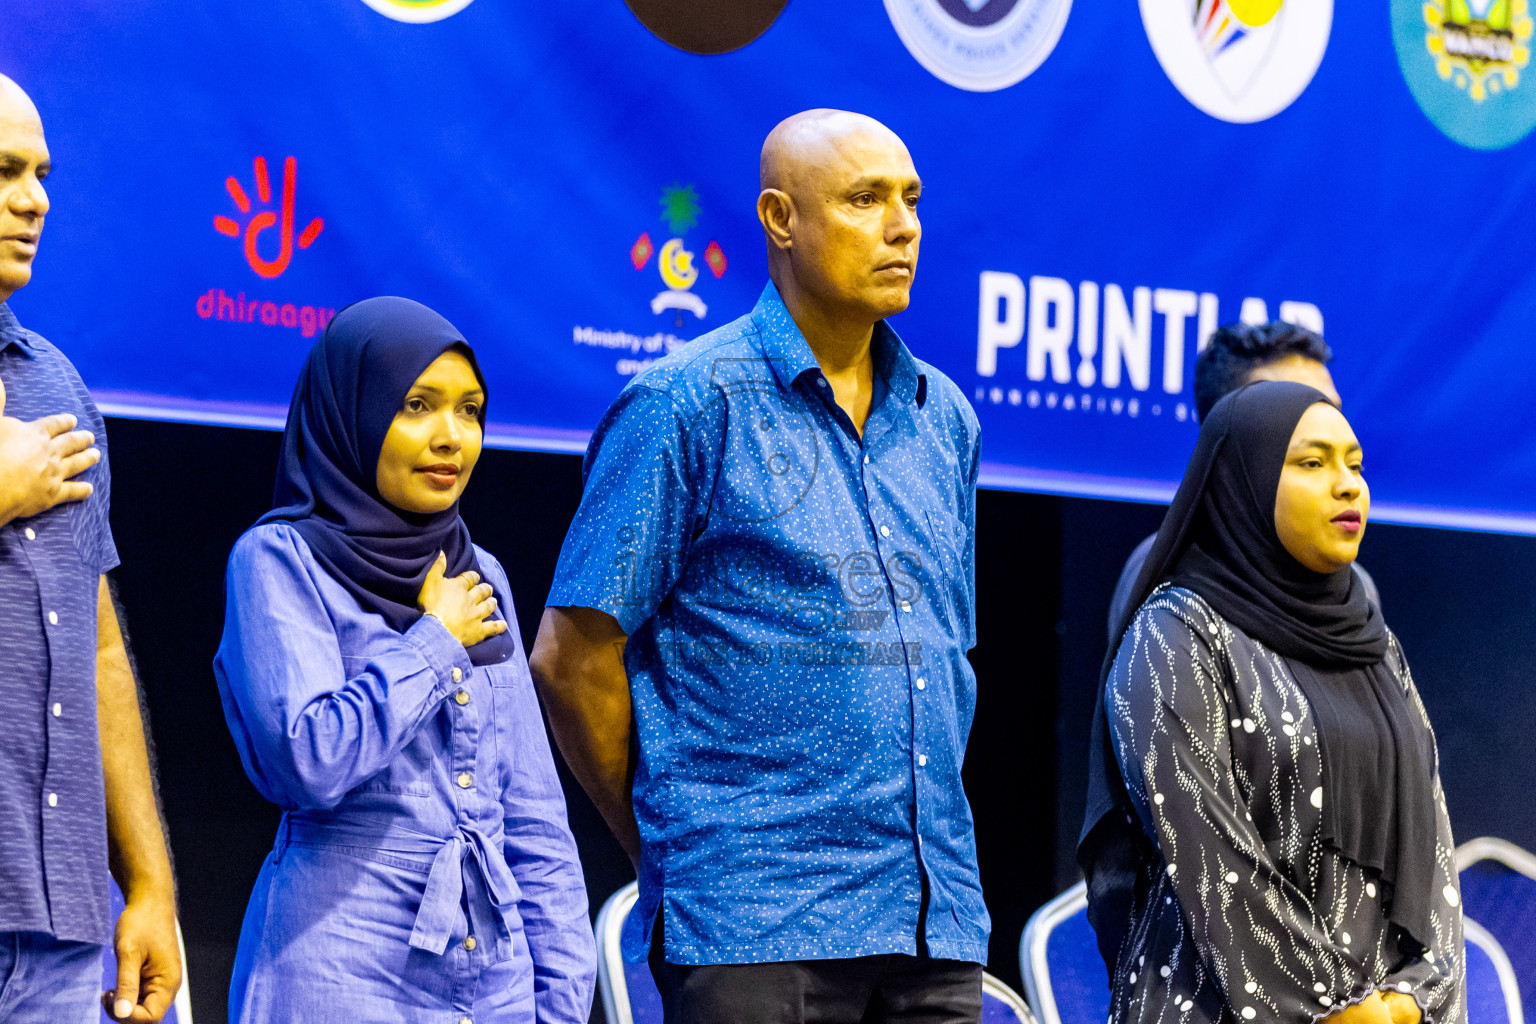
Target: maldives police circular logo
[[418, 11], [1466, 63], [1239, 60], [980, 45]]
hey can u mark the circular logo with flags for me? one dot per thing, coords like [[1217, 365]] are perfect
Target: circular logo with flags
[[1466, 63], [418, 11], [1239, 60], [979, 45]]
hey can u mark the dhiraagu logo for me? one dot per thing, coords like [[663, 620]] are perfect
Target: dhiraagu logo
[[418, 11], [1466, 61]]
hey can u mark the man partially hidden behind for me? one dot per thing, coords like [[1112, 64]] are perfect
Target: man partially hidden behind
[[773, 560], [1239, 354], [75, 786]]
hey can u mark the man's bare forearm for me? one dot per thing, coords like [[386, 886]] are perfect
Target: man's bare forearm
[[140, 861], [578, 667]]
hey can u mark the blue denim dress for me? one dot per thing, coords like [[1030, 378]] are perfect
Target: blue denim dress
[[423, 870]]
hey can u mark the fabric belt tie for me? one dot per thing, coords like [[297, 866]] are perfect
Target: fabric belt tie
[[445, 879]]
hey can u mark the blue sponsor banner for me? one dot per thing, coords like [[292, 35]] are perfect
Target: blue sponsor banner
[[1103, 184]]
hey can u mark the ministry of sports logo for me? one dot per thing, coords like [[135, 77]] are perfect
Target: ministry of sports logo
[[646, 339], [1239, 60], [680, 210], [980, 45], [1464, 61], [418, 11]]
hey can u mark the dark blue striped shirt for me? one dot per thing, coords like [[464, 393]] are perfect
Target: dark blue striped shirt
[[53, 823]]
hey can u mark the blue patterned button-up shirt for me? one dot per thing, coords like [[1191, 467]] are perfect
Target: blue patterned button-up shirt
[[798, 601], [53, 819]]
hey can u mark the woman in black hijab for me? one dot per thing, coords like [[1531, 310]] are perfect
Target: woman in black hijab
[[1266, 837]]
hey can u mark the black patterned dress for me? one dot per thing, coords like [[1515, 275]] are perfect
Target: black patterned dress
[[1244, 914]]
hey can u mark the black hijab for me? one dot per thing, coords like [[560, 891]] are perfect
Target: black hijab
[[1219, 541], [352, 385]]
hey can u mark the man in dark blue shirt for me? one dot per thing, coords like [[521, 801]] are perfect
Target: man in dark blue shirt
[[75, 786], [771, 581]]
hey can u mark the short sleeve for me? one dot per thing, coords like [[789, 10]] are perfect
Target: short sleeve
[[972, 476], [91, 519], [629, 541]]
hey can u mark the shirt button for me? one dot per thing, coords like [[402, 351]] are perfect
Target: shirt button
[[53, 618], [466, 780], [462, 696], [922, 684], [58, 709], [458, 674], [821, 381], [906, 606], [922, 760], [465, 1020], [53, 799], [31, 533], [866, 460], [885, 531], [469, 942]]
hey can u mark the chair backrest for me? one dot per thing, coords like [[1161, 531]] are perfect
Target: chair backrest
[[1064, 975], [1493, 997], [628, 990], [1498, 891], [1001, 1004], [630, 996], [181, 1010]]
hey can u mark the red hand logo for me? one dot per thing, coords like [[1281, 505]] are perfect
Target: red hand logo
[[268, 218]]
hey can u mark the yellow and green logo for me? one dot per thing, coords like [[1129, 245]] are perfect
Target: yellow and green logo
[[1465, 61], [1480, 45]]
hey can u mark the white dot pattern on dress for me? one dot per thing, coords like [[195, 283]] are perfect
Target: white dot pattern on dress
[[1200, 718]]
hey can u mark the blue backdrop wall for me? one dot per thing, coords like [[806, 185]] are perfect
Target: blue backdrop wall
[[1103, 184], [577, 195]]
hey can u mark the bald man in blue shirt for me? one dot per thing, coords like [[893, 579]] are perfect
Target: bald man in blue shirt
[[770, 583], [75, 788]]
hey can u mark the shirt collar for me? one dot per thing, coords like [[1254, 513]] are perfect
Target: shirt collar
[[11, 332], [790, 355]]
